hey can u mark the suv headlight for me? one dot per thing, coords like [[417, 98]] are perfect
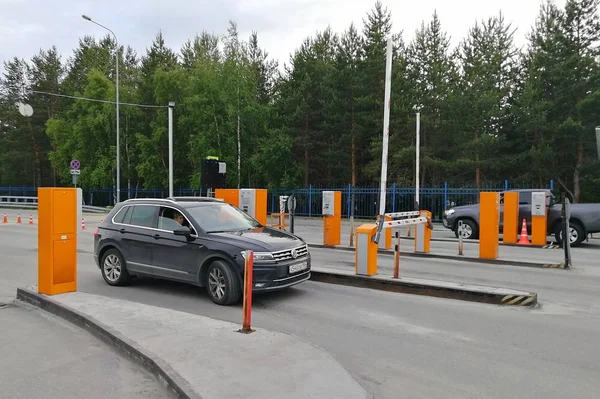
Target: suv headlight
[[262, 257], [450, 212]]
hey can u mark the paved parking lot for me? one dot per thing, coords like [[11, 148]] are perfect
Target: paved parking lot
[[394, 344]]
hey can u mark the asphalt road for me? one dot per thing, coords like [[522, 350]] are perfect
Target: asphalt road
[[399, 345]]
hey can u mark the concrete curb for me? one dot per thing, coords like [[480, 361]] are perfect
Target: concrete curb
[[503, 262], [442, 289], [165, 373]]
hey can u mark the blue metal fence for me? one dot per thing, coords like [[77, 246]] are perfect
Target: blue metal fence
[[309, 199]]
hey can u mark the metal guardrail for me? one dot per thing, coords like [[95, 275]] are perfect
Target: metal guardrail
[[14, 201]]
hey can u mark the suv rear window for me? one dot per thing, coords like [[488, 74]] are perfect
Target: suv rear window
[[144, 216]]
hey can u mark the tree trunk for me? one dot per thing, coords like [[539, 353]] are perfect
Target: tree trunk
[[576, 175]]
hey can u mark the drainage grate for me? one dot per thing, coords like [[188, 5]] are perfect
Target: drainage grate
[[3, 305]]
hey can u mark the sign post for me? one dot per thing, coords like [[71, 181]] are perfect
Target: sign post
[[75, 171], [566, 233]]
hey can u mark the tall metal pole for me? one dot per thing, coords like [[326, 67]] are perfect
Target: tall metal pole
[[598, 140], [171, 106], [117, 104], [418, 163], [386, 136]]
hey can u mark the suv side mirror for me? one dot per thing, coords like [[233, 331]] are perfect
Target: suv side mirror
[[183, 231]]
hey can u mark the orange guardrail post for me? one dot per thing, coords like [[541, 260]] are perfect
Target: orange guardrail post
[[247, 306], [366, 250], [510, 228], [332, 218], [539, 221], [489, 227], [57, 240]]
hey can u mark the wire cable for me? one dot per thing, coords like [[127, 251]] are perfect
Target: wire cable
[[97, 100]]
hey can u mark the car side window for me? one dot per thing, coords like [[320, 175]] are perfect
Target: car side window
[[121, 216], [144, 216], [167, 219]]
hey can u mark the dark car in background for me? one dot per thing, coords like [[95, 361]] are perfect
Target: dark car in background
[[205, 247], [585, 218]]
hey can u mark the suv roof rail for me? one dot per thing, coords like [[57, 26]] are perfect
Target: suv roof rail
[[149, 199], [199, 199]]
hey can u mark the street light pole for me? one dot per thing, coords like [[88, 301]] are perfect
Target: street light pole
[[117, 101], [598, 140], [171, 106]]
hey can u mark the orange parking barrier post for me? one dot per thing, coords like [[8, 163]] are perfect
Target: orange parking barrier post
[[30, 219], [19, 218], [510, 227], [82, 224], [489, 227], [366, 250], [57, 240], [5, 219], [229, 195], [247, 307], [332, 218], [423, 234], [539, 221]]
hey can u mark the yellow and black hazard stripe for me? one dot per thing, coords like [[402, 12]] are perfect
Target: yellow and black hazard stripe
[[518, 300], [555, 266], [551, 246]]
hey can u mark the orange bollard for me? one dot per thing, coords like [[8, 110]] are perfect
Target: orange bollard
[[397, 256], [247, 310], [82, 224], [5, 219], [30, 219], [19, 218]]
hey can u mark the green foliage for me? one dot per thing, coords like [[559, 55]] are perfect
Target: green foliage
[[488, 110]]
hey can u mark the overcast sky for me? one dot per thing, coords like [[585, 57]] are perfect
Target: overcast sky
[[28, 25]]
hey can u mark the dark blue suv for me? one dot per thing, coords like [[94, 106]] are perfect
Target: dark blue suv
[[200, 241]]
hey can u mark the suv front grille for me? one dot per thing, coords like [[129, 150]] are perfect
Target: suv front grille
[[281, 256]]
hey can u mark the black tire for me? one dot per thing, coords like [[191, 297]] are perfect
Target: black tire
[[222, 284], [576, 231], [469, 227], [113, 268]]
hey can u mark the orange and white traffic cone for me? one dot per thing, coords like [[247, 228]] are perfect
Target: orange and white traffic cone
[[82, 224], [5, 219], [30, 219], [19, 218], [524, 239]]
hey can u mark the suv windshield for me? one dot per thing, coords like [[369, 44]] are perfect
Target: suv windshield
[[217, 217]]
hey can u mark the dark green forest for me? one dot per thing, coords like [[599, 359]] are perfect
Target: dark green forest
[[489, 111]]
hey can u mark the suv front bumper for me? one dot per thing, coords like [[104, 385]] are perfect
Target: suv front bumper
[[270, 277]]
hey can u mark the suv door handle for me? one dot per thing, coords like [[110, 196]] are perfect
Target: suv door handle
[[122, 231], [156, 236]]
